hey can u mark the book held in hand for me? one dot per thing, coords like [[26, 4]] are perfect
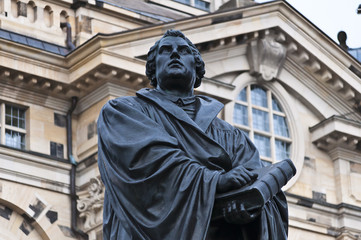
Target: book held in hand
[[251, 198]]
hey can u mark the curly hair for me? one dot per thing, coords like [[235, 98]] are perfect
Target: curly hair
[[150, 66]]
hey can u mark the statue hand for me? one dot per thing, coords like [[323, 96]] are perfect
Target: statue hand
[[235, 178], [236, 213]]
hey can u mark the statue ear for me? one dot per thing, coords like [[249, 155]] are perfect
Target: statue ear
[[153, 81]]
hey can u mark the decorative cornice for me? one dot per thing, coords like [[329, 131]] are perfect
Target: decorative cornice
[[106, 90], [337, 132], [339, 105], [19, 93]]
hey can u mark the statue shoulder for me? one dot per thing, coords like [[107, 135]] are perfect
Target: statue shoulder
[[221, 124], [130, 101]]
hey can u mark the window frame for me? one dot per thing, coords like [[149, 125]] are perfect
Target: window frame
[[4, 126], [270, 113], [196, 4], [289, 104]]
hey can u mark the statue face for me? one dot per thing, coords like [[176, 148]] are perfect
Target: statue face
[[175, 65]]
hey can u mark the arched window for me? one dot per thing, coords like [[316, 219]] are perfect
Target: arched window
[[31, 11], [64, 16], [48, 16], [258, 113]]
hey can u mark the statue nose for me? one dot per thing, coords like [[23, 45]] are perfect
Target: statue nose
[[174, 54]]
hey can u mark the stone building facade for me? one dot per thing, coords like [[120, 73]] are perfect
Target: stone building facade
[[291, 88]]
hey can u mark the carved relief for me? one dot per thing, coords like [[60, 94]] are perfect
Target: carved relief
[[90, 204], [266, 57]]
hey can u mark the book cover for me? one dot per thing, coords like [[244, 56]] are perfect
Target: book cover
[[254, 195]]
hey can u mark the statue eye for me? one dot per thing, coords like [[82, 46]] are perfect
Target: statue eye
[[165, 49], [184, 50]]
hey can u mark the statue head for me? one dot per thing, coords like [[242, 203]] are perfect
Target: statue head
[[173, 37]]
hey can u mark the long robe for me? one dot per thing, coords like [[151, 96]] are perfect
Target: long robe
[[160, 170]]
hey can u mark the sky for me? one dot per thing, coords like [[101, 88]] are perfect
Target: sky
[[332, 16]]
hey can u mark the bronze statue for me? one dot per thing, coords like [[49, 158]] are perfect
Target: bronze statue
[[164, 155]]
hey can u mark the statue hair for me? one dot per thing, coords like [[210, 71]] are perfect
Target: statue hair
[[153, 51]]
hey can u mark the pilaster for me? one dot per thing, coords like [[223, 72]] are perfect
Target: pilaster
[[340, 138]]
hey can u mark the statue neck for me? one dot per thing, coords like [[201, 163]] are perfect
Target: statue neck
[[175, 92]]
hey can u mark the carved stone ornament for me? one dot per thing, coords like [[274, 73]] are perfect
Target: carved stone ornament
[[90, 204], [266, 57]]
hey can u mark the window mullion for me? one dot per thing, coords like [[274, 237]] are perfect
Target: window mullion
[[2, 109], [270, 114], [250, 117]]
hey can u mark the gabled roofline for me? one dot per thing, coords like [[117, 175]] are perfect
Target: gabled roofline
[[212, 18]]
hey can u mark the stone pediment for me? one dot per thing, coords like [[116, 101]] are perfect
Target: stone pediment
[[119, 57]]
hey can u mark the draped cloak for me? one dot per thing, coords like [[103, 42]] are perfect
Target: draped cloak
[[160, 170]]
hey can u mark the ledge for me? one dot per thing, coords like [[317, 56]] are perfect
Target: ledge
[[337, 131], [34, 169]]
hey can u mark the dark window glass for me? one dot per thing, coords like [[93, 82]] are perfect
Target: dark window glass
[[201, 4], [57, 150], [59, 120], [14, 116], [92, 130]]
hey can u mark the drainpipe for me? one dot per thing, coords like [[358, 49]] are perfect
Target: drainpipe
[[73, 196], [69, 43]]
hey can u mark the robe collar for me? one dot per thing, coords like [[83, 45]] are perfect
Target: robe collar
[[207, 109]]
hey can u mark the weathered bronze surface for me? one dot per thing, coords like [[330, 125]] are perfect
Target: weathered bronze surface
[[164, 155]]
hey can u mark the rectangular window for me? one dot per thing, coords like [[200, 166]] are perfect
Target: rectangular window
[[92, 129], [14, 139], [59, 120], [14, 117], [12, 126], [57, 150], [201, 4]]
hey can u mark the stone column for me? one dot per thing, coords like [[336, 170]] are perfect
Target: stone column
[[341, 138]]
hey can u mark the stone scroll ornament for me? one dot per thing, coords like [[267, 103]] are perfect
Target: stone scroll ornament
[[90, 205], [265, 58]]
